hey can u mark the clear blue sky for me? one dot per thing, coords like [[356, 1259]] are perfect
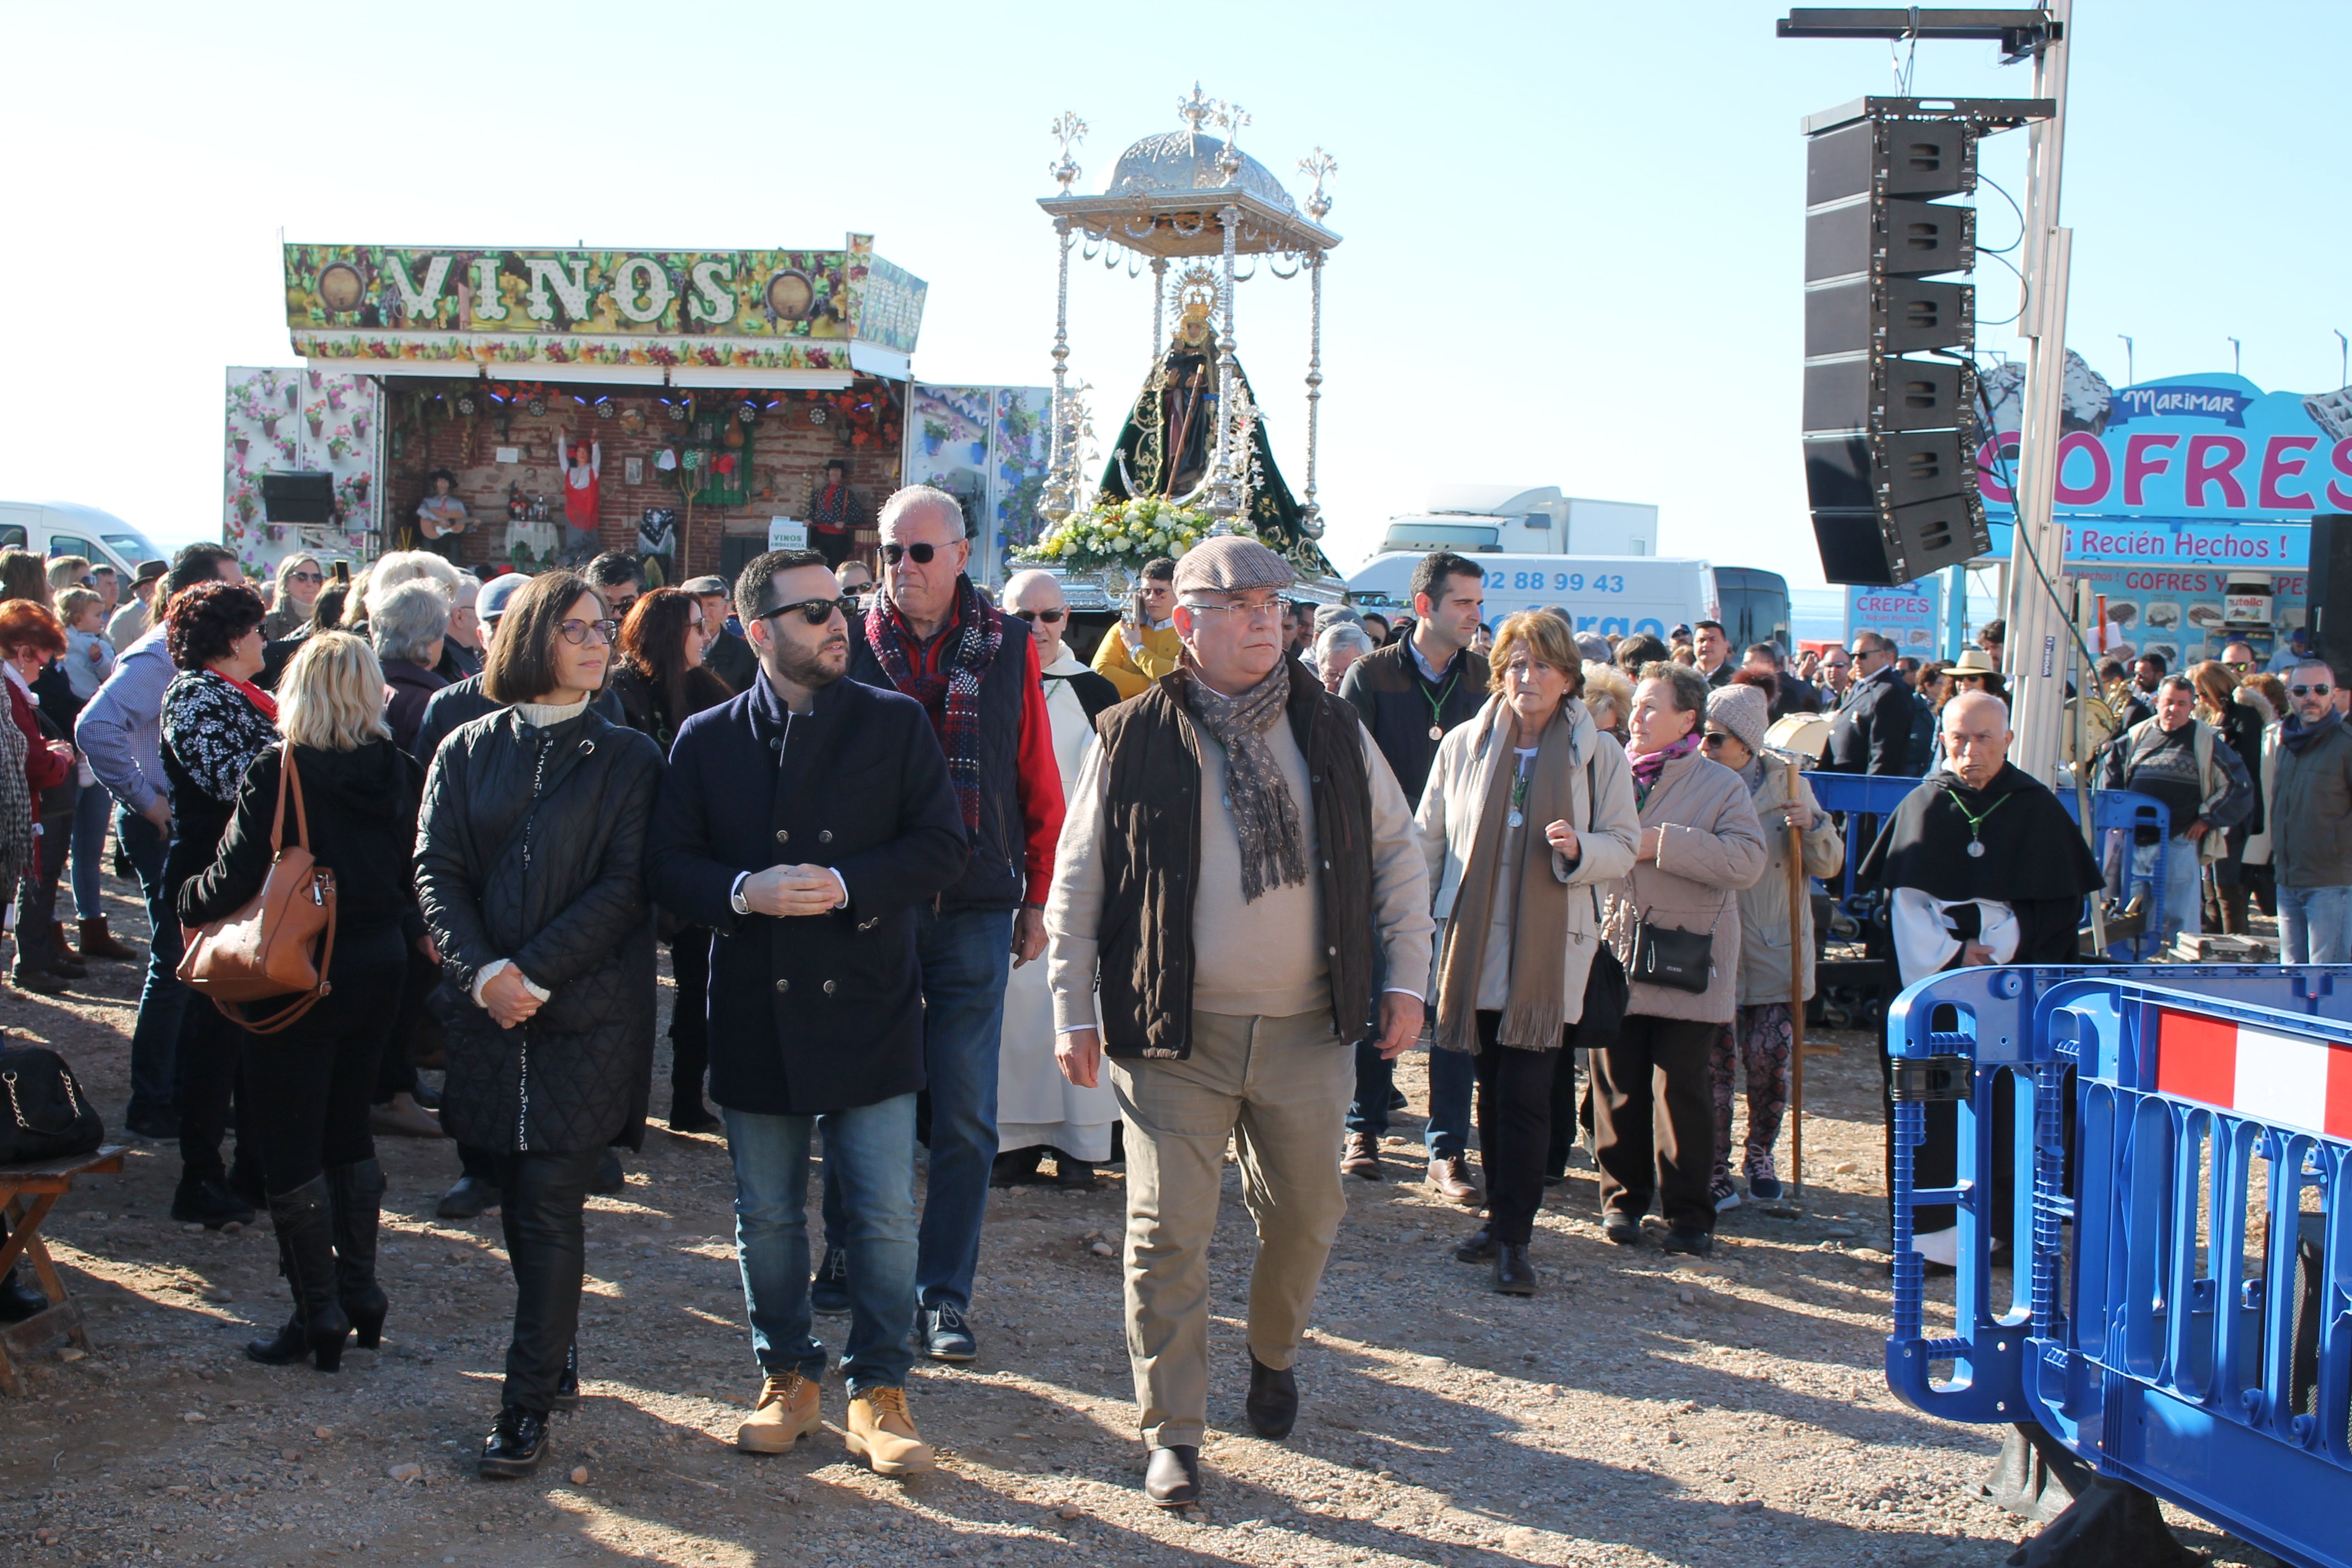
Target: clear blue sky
[[1572, 230]]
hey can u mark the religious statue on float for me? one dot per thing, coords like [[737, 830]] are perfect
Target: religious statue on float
[[1165, 448]]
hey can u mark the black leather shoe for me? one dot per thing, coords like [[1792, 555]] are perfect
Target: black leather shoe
[[20, 1297], [689, 1114], [1074, 1175], [516, 1445], [1622, 1230], [467, 1199], [1172, 1479], [829, 1292], [1513, 1275], [1687, 1238], [1478, 1247], [567, 1387], [206, 1201], [1016, 1167], [609, 1178], [1273, 1403], [941, 1333]]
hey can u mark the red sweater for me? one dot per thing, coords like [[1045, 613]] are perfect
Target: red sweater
[[1040, 775], [46, 769]]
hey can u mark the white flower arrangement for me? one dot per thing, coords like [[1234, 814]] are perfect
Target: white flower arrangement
[[1125, 533]]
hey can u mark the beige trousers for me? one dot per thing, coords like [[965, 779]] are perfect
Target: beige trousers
[[1278, 1087]]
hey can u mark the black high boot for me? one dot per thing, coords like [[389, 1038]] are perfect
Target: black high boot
[[306, 1256], [358, 1198]]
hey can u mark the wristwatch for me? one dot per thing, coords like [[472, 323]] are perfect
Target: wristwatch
[[735, 894]]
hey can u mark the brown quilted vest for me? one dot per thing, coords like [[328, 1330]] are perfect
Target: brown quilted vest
[[1152, 862]]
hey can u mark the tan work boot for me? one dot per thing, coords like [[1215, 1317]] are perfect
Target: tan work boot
[[880, 1429], [786, 1411]]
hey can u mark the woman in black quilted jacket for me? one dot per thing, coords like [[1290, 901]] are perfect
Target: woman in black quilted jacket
[[529, 869]]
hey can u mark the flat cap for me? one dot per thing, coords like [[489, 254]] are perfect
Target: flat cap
[[1230, 563], [703, 587]]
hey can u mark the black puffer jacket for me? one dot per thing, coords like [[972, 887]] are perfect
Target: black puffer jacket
[[531, 847]]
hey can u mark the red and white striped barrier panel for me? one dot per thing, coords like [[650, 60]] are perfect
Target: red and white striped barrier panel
[[2287, 1080]]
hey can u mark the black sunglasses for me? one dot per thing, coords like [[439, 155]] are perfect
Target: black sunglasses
[[2311, 690], [1051, 617], [1715, 738], [893, 554], [305, 576], [816, 612]]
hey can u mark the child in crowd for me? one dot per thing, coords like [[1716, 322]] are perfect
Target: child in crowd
[[90, 657]]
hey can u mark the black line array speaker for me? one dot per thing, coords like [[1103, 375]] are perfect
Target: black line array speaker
[[1890, 388], [303, 496], [2327, 617]]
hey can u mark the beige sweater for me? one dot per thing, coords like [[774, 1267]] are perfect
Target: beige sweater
[[1270, 959]]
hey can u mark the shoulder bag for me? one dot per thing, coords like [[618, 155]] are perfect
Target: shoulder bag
[[44, 1114], [281, 943]]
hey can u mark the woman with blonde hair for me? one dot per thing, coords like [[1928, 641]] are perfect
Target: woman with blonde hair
[[311, 1082], [1528, 812], [1608, 697], [300, 579]]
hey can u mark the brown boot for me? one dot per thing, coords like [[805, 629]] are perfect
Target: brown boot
[[880, 1429], [786, 1411], [1451, 1177], [97, 942], [1360, 1156]]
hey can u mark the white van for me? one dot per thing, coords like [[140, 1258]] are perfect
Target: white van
[[54, 528], [1605, 593]]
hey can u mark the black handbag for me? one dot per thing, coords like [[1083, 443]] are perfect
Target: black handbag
[[1670, 956], [44, 1114]]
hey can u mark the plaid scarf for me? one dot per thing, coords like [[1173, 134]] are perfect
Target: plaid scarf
[[979, 633], [1272, 839]]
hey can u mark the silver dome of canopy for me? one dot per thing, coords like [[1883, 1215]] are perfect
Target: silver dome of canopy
[[1164, 194]]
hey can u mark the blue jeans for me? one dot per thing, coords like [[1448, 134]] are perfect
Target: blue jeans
[[2181, 873], [162, 1000], [90, 811], [1453, 1076], [2316, 924], [966, 956], [870, 1152]]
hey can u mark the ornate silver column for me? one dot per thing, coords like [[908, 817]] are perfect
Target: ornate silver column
[[1060, 493], [1318, 164], [1159, 306], [1224, 499]]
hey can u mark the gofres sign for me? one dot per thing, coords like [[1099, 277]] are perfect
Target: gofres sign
[[655, 309], [2195, 449]]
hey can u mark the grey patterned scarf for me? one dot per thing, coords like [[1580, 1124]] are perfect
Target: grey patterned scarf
[[15, 807], [1273, 844]]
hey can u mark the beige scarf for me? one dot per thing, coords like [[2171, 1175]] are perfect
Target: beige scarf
[[1537, 1010]]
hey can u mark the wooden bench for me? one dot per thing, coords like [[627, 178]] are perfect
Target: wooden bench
[[43, 1182]]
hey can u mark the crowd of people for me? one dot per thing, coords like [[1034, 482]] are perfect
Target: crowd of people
[[898, 837]]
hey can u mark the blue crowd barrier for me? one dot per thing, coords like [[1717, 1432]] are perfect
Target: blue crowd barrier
[[2112, 810], [2181, 1319]]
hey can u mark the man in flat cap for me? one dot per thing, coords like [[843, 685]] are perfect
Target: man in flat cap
[[1237, 859]]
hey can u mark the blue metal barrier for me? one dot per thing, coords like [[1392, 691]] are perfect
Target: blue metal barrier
[[2112, 810], [2139, 1328]]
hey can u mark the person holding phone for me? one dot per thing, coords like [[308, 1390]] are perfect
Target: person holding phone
[[1144, 645]]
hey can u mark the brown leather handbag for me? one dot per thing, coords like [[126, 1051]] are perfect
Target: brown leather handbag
[[281, 943]]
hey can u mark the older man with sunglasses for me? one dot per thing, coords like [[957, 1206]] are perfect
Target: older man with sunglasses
[[2307, 759], [929, 636], [813, 895]]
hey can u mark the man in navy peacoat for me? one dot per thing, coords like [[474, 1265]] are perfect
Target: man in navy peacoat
[[815, 993]]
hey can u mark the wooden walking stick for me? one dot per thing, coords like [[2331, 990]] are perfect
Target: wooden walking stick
[[1796, 986]]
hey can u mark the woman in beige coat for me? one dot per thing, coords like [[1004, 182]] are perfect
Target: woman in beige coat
[[1700, 845], [1528, 812], [1762, 1037]]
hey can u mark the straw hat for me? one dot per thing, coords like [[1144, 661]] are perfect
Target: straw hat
[[1973, 661]]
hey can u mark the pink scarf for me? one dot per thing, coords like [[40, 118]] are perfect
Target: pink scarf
[[1650, 764]]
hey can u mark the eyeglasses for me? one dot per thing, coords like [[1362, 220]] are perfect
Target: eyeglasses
[[2310, 690], [816, 612], [893, 554], [1267, 609], [577, 632], [305, 576], [1051, 617]]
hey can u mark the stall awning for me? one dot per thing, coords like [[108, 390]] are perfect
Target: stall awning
[[725, 376]]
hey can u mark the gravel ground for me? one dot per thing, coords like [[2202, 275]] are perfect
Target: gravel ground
[[1642, 1410]]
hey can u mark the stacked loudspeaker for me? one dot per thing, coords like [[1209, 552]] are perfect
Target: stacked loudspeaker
[[2328, 617], [1890, 385]]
